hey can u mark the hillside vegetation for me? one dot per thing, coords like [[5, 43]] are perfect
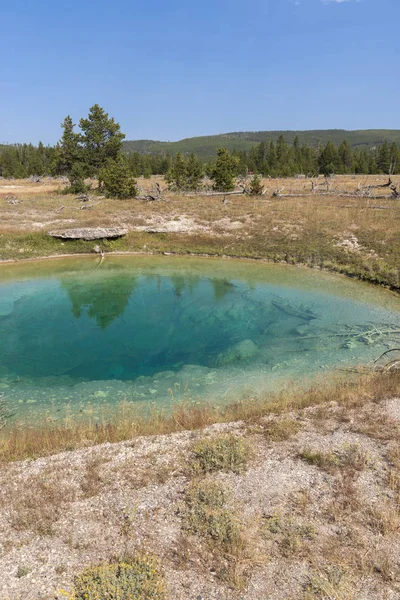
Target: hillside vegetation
[[205, 146]]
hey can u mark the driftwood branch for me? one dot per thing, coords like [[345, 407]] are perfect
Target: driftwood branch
[[157, 194], [235, 193]]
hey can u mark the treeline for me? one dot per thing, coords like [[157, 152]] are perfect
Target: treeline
[[271, 159], [23, 160], [283, 160]]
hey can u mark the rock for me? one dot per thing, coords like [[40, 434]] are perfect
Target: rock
[[243, 350], [6, 307], [86, 233]]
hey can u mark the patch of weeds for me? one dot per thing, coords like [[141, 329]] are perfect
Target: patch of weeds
[[393, 456], [41, 504], [301, 500], [377, 425], [381, 561], [346, 502], [331, 582], [60, 569], [137, 578], [92, 480], [206, 514], [327, 461], [22, 571], [350, 456], [353, 457], [128, 522], [281, 430], [384, 519], [290, 535], [223, 453]]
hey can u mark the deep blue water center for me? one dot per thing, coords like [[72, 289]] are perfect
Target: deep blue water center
[[75, 333]]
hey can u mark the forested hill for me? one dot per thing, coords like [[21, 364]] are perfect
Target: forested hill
[[204, 147]]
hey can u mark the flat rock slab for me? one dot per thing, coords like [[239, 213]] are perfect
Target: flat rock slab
[[96, 233]]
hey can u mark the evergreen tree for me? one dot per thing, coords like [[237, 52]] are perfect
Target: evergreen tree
[[177, 175], [68, 151], [272, 159], [194, 173], [101, 139], [329, 161], [394, 159], [115, 179], [346, 157], [224, 171], [256, 187], [383, 161]]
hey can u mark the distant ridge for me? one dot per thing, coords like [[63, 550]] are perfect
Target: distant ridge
[[205, 146]]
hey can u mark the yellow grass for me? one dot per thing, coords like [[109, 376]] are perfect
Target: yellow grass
[[19, 442]]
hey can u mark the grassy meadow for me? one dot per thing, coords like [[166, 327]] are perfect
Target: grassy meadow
[[359, 236]]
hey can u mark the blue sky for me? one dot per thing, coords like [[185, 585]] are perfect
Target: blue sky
[[169, 69]]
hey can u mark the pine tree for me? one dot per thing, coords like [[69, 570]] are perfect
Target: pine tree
[[194, 173], [394, 159], [116, 181], [101, 139], [68, 151], [256, 187], [224, 171], [384, 159], [346, 157], [329, 161], [177, 175]]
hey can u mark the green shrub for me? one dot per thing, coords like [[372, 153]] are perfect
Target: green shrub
[[206, 514], [281, 430], [116, 181], [223, 453], [134, 579], [256, 187]]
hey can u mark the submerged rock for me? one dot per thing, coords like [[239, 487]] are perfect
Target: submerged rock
[[243, 350], [6, 307]]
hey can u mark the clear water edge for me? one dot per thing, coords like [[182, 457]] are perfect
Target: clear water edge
[[78, 339]]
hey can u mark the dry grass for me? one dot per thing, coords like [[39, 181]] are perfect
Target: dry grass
[[41, 505], [229, 546], [296, 230], [281, 430], [17, 442], [293, 537], [350, 458]]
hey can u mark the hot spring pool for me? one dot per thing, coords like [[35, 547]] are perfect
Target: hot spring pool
[[76, 337]]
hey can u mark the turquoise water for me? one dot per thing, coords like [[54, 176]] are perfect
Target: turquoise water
[[77, 335]]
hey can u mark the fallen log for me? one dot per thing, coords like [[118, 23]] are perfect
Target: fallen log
[[236, 193]]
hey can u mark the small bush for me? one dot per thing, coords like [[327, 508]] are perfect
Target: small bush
[[292, 537], [279, 431], [133, 579], [350, 457], [256, 187], [327, 461], [331, 582], [224, 453], [22, 571], [206, 514]]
